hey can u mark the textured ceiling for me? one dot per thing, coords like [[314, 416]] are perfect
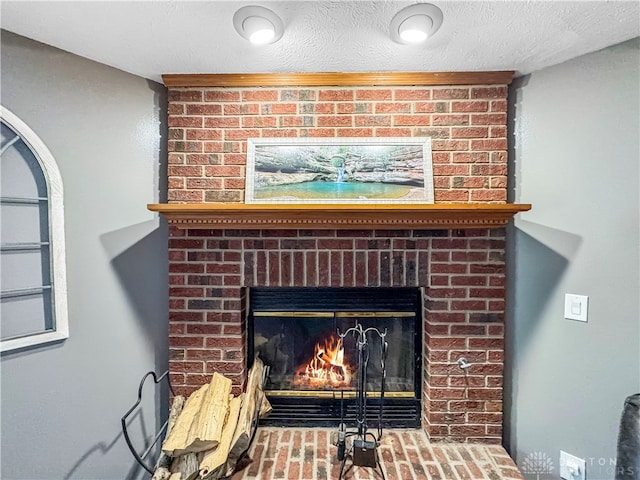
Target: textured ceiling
[[149, 38]]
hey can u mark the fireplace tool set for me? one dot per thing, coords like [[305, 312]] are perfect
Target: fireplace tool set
[[362, 450]]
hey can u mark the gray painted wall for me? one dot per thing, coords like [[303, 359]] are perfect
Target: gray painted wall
[[577, 156], [576, 159], [61, 404]]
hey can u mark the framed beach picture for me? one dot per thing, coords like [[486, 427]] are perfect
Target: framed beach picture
[[339, 170]]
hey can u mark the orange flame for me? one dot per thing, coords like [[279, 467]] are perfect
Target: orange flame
[[327, 367]]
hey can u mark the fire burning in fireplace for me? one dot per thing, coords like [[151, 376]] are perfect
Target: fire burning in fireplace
[[327, 368], [295, 331]]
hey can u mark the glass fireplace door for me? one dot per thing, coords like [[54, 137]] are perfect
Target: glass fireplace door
[[314, 366], [307, 355]]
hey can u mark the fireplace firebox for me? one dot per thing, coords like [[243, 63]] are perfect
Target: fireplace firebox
[[313, 370]]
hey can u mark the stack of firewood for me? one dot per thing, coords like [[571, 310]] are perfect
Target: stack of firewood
[[212, 430]]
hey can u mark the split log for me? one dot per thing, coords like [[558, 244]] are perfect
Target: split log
[[162, 465], [199, 426], [179, 436], [213, 413], [213, 465], [185, 467], [247, 417], [176, 408], [161, 473], [265, 405]]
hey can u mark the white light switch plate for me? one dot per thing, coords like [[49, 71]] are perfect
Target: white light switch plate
[[575, 307], [572, 467]]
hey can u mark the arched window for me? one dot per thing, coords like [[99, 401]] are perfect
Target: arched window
[[33, 298]]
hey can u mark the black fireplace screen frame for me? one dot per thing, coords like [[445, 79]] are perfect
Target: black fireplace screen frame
[[325, 408]]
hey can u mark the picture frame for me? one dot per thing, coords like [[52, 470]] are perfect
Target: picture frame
[[339, 170]]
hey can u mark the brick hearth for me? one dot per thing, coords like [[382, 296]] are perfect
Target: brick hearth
[[303, 454], [461, 272]]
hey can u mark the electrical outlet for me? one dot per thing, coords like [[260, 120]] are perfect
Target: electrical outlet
[[575, 307], [572, 467]]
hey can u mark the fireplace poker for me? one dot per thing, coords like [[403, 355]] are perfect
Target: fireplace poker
[[342, 430], [384, 347]]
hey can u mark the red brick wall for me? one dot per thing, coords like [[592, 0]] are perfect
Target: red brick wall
[[462, 271], [208, 128]]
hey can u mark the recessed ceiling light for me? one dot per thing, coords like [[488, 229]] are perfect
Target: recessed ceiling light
[[415, 23], [257, 24]]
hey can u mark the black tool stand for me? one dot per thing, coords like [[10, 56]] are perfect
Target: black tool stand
[[363, 451]]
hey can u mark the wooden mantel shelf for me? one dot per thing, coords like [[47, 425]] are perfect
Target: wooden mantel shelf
[[310, 79], [337, 216]]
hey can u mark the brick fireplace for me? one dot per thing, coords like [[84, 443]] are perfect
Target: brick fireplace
[[461, 272]]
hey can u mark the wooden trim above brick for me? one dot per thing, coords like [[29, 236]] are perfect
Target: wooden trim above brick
[[338, 216], [336, 79]]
